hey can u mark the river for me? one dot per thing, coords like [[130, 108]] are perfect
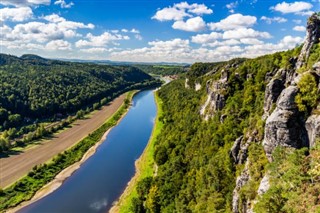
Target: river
[[103, 177]]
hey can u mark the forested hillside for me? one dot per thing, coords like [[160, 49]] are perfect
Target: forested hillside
[[34, 89], [240, 136], [162, 69]]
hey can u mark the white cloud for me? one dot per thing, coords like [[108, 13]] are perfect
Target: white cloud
[[229, 42], [63, 4], [134, 31], [101, 40], [245, 33], [58, 45], [15, 14], [250, 41], [54, 18], [233, 21], [50, 34], [288, 42], [298, 7], [232, 6], [198, 9], [168, 14], [179, 50], [94, 50], [299, 28], [206, 38], [274, 19], [181, 10], [21, 3], [192, 25]]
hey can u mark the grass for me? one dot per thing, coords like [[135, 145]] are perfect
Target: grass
[[145, 166], [26, 187]]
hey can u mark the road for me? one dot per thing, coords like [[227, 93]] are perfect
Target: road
[[14, 167]]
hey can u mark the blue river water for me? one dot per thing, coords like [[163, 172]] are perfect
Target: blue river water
[[103, 177]]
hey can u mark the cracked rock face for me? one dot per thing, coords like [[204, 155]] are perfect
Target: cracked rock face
[[240, 182], [313, 35], [264, 185], [272, 93], [313, 129], [285, 127], [216, 99]]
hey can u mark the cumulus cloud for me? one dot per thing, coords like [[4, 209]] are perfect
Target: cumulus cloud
[[101, 40], [179, 50], [22, 3], [298, 7], [274, 19], [299, 28], [245, 33], [15, 14], [206, 38], [51, 34], [63, 4], [233, 21], [171, 13], [232, 6], [181, 10], [192, 25], [288, 42], [58, 45], [229, 42]]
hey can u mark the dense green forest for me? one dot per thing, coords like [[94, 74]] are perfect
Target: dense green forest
[[35, 89], [196, 171], [162, 69]]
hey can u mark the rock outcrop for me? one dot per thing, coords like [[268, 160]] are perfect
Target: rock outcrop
[[273, 90], [239, 150], [186, 83], [285, 126], [264, 185], [313, 35], [216, 99], [313, 129], [197, 86], [240, 182]]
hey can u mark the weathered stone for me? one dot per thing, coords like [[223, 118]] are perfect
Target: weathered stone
[[236, 148], [264, 185], [286, 100], [197, 86], [223, 117], [186, 85], [285, 126], [316, 68], [313, 35], [313, 129], [216, 99], [240, 182], [273, 90]]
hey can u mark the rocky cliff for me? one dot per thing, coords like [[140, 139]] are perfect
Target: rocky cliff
[[286, 125]]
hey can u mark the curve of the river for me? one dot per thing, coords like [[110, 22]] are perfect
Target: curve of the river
[[102, 178]]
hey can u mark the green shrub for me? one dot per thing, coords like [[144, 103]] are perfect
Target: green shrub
[[307, 96]]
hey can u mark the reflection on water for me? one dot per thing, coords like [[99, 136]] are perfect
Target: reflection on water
[[102, 178]]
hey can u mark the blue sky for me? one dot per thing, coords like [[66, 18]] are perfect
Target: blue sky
[[150, 30]]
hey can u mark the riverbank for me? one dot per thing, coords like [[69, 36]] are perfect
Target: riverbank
[[145, 166], [19, 163], [77, 154]]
